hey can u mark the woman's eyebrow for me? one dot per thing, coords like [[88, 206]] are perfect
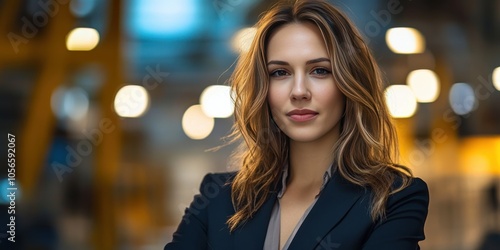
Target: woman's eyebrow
[[321, 59], [277, 62]]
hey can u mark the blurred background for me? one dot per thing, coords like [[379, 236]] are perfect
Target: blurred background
[[112, 105]]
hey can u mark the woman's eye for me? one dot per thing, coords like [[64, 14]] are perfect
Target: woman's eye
[[278, 73], [321, 71]]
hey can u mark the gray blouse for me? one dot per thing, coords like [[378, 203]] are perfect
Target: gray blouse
[[272, 241]]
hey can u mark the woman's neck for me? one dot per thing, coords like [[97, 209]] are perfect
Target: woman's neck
[[309, 161]]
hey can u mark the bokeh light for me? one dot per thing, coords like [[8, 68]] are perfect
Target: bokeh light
[[82, 39], [196, 124], [425, 85], [216, 101], [462, 98], [69, 103], [496, 78], [131, 101], [160, 19], [242, 40], [405, 40], [401, 101], [82, 8], [7, 186]]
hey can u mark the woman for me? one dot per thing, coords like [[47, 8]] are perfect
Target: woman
[[318, 148]]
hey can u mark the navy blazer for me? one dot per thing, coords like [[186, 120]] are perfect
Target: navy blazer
[[340, 219]]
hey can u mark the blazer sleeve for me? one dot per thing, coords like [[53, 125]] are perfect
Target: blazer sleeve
[[406, 213], [192, 231]]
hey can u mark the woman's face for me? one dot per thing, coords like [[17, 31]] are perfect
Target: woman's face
[[304, 99]]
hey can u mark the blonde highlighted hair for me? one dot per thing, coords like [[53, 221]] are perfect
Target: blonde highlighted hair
[[366, 151]]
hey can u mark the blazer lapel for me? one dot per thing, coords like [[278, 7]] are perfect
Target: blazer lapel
[[336, 199], [252, 234]]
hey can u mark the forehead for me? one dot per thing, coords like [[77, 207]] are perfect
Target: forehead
[[296, 39]]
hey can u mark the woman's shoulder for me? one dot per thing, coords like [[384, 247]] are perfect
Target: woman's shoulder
[[409, 184], [415, 191], [418, 184]]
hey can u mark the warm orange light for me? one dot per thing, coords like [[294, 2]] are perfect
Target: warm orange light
[[480, 155]]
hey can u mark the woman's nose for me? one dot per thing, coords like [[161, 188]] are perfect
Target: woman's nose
[[300, 90]]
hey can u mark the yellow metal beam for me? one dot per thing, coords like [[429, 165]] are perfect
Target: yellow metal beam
[[37, 132], [8, 12], [38, 129], [108, 154]]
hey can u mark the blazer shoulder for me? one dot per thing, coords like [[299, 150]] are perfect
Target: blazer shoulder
[[204, 220], [403, 224], [220, 179], [417, 191], [416, 185]]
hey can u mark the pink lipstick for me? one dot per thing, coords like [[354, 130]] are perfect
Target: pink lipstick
[[302, 115]]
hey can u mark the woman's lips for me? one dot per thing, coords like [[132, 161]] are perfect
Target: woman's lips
[[302, 115]]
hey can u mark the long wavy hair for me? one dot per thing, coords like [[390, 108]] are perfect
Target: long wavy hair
[[366, 151]]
